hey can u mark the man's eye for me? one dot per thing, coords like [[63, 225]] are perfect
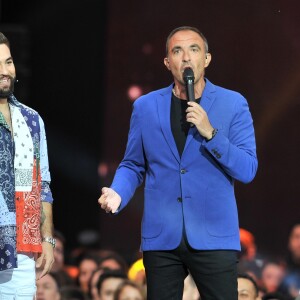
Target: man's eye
[[244, 296]]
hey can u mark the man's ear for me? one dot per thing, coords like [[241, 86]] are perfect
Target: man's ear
[[167, 63], [207, 59]]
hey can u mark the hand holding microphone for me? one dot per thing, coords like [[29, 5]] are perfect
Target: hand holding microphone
[[195, 112]]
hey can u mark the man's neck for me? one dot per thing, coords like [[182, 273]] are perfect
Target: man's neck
[[4, 108], [5, 111], [3, 101], [180, 90]]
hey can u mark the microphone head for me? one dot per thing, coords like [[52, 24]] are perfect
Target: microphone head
[[188, 75]]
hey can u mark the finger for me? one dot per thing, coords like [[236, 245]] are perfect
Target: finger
[[192, 104], [105, 190], [46, 269], [102, 199], [191, 115], [193, 109], [104, 206], [108, 209], [39, 261]]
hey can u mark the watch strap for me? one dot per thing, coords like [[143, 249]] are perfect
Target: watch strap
[[49, 239]]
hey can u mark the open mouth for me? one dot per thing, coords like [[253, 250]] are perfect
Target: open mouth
[[5, 81], [186, 67]]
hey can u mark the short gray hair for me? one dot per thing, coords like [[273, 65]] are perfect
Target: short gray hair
[[185, 28]]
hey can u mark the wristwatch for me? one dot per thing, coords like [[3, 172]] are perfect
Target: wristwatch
[[49, 239], [213, 133]]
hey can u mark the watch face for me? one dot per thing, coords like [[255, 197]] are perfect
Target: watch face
[[50, 240]]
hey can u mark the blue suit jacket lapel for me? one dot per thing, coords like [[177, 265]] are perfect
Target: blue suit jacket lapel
[[164, 114]]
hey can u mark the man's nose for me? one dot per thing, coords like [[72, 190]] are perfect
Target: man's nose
[[3, 69], [186, 56]]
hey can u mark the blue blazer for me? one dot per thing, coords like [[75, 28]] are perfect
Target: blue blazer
[[195, 190]]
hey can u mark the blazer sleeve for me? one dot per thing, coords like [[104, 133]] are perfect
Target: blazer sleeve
[[236, 153], [130, 173]]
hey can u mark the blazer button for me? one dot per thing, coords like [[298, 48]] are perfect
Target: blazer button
[[182, 171], [179, 199], [218, 156]]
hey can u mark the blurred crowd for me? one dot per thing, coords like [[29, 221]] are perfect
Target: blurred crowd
[[268, 277], [105, 275]]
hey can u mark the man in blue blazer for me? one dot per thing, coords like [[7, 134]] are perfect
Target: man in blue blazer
[[190, 221]]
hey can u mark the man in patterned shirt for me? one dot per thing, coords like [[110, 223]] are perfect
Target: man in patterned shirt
[[26, 226]]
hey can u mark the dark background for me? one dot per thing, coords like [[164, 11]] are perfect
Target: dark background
[[76, 60]]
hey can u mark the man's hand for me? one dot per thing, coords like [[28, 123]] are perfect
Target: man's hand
[[45, 260], [109, 200], [198, 116]]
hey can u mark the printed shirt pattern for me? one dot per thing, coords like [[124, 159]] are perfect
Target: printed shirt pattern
[[20, 208]]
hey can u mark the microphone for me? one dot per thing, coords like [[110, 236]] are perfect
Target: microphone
[[188, 77]]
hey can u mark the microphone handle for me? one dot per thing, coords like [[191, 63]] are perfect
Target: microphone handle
[[190, 90], [190, 93]]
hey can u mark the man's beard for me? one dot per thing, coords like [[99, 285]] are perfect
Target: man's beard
[[5, 93]]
